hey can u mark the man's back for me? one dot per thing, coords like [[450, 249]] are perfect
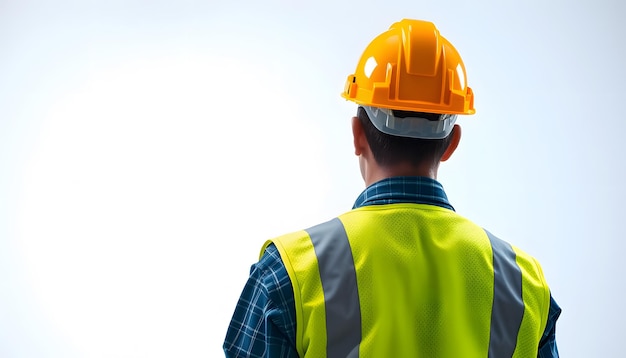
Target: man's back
[[412, 279]]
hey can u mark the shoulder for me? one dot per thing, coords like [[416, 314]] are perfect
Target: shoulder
[[298, 243], [521, 257]]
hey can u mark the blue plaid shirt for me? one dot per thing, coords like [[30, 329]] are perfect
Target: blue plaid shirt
[[264, 322]]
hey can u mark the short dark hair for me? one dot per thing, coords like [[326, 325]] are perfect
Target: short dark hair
[[390, 150]]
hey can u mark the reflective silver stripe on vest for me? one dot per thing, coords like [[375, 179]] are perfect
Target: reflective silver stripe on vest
[[343, 309], [508, 303]]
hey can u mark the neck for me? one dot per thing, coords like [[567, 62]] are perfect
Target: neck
[[374, 173]]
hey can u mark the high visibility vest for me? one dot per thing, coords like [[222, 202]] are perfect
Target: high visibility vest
[[412, 280]]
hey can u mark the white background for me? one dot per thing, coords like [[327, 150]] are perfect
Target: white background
[[149, 148]]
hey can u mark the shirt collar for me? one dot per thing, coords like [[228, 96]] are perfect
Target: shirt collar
[[418, 190]]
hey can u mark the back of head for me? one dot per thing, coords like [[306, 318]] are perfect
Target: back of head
[[390, 150]]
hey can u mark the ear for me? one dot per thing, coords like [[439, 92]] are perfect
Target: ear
[[454, 142], [360, 142]]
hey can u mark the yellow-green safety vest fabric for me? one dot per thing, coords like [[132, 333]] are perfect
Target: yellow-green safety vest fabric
[[412, 280]]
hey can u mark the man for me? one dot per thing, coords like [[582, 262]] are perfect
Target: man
[[401, 274]]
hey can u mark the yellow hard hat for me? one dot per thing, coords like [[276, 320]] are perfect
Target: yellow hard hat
[[411, 67]]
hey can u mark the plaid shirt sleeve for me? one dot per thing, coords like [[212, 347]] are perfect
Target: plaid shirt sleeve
[[263, 324], [547, 345]]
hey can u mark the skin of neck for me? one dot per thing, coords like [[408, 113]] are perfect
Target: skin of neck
[[372, 172]]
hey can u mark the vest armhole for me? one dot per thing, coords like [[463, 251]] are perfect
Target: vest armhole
[[295, 288], [545, 312]]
